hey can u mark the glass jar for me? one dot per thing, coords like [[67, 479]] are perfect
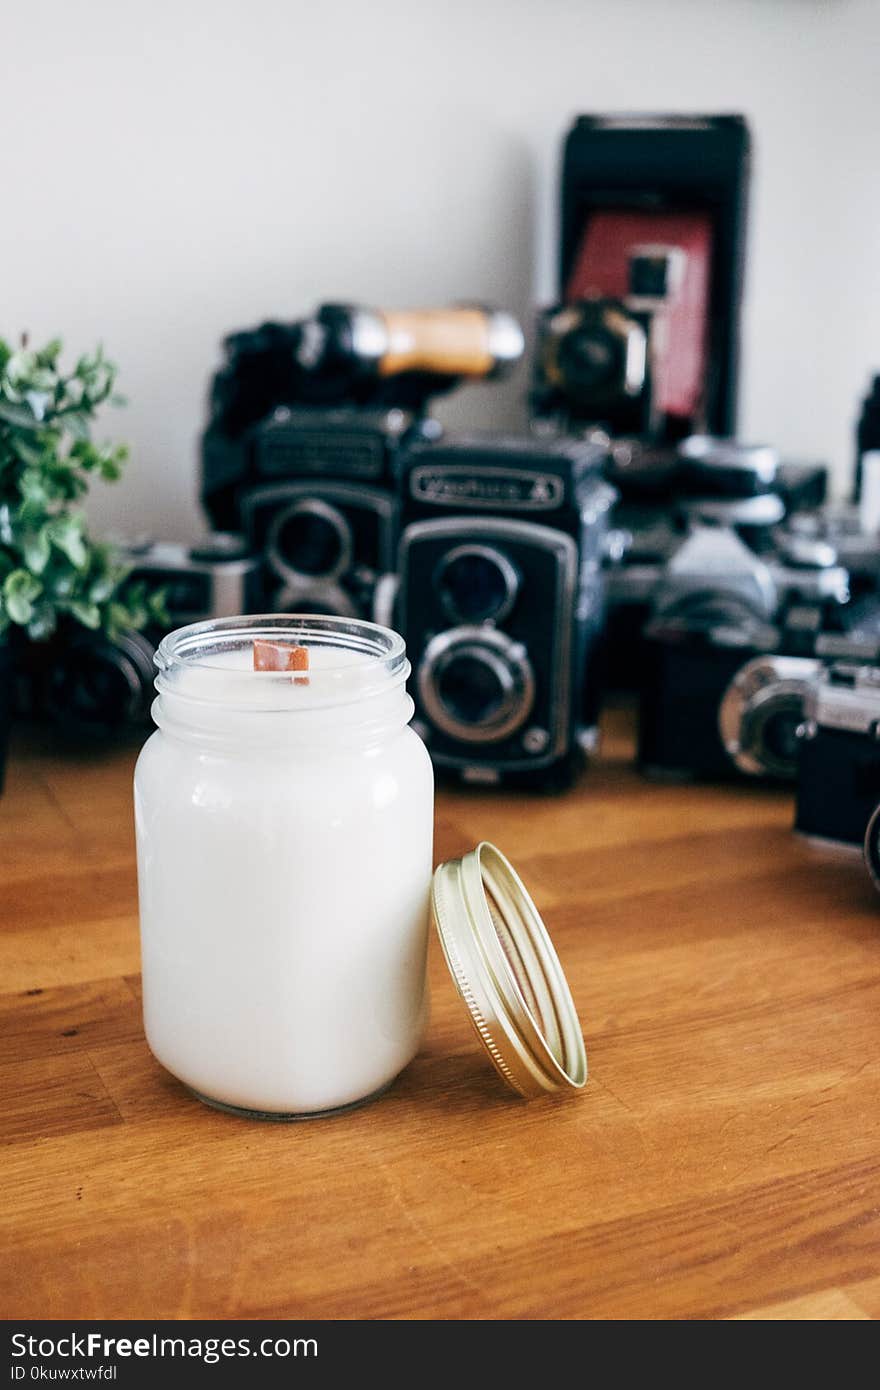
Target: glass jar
[[284, 838]]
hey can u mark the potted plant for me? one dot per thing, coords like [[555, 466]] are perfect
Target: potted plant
[[52, 573]]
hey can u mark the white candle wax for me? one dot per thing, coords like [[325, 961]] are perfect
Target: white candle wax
[[284, 841]]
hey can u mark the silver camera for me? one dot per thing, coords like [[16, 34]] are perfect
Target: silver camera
[[839, 764], [714, 575], [216, 578], [730, 654]]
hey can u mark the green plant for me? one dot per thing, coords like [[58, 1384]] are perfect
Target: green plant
[[51, 570]]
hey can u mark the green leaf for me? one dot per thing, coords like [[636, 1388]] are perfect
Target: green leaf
[[65, 533], [20, 589], [22, 584], [21, 365], [74, 391], [33, 487], [48, 356], [48, 563], [19, 415], [63, 585], [28, 452], [118, 615], [43, 623], [89, 614], [76, 423], [101, 588], [36, 549], [111, 469], [38, 401]]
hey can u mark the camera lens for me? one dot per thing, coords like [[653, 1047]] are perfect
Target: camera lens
[[310, 538], [476, 583], [590, 359], [471, 689], [309, 543], [779, 735], [100, 686], [761, 712], [476, 684]]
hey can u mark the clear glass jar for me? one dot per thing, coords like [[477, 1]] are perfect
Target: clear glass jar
[[284, 838]]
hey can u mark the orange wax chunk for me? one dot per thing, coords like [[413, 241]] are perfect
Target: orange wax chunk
[[281, 656]]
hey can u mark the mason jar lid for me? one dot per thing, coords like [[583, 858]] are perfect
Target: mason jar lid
[[508, 973]]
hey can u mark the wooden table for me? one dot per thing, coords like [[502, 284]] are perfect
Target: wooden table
[[723, 1160]]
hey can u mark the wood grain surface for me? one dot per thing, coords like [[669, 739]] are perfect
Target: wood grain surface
[[723, 1160]]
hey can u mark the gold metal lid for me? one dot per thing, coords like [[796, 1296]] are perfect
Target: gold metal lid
[[508, 974]]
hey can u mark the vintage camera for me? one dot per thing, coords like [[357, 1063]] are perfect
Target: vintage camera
[[838, 785], [218, 577], [723, 482], [93, 685], [730, 655], [321, 506], [645, 337], [601, 360], [307, 420], [501, 602]]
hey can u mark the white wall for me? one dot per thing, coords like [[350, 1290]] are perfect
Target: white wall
[[172, 170]]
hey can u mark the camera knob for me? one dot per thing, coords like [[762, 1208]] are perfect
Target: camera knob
[[535, 739]]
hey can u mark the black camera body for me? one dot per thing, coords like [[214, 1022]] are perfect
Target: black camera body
[[319, 504], [306, 420], [501, 602], [729, 657], [92, 685], [838, 786]]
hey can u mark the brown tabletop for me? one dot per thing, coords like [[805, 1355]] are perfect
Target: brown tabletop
[[724, 1158]]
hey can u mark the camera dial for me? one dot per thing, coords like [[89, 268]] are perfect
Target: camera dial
[[761, 712], [759, 513], [476, 583], [728, 466], [805, 552], [476, 684], [309, 540]]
